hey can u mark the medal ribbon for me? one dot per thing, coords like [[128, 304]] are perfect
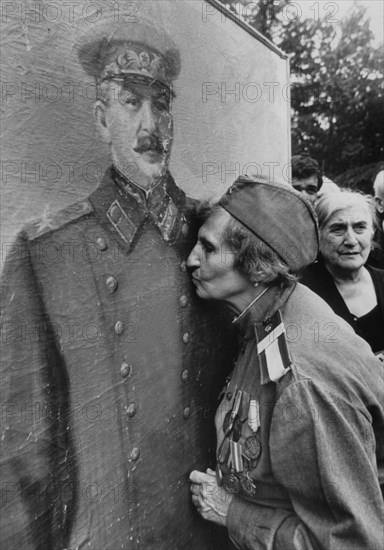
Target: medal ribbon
[[236, 456], [254, 415]]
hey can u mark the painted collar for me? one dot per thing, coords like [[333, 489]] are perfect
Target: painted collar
[[124, 207]]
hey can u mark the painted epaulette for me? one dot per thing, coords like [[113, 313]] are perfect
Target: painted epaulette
[[191, 209], [51, 221], [192, 204]]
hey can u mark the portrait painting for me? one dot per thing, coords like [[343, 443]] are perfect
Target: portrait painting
[[231, 108], [118, 120]]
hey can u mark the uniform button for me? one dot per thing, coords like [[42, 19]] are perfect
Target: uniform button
[[186, 412], [111, 283], [183, 266], [131, 410], [125, 370], [134, 454], [119, 327], [186, 337], [114, 213], [101, 243], [183, 300], [229, 395], [184, 228], [185, 375], [94, 491]]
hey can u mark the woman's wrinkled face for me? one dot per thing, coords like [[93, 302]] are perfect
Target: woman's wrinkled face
[[212, 263], [346, 238]]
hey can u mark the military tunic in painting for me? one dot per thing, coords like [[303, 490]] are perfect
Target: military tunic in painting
[[111, 368], [306, 470]]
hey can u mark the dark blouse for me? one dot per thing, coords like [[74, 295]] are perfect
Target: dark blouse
[[371, 325]]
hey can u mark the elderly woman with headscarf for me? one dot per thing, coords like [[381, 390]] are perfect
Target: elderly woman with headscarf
[[300, 424], [341, 276]]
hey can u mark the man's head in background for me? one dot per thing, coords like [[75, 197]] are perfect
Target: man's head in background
[[378, 193], [306, 176]]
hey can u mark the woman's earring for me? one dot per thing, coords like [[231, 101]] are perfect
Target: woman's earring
[[256, 284]]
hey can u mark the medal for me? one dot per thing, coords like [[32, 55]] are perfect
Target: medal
[[248, 485], [236, 456], [226, 422], [219, 475], [235, 409], [231, 483], [244, 406], [223, 453], [236, 434], [252, 447], [254, 415]]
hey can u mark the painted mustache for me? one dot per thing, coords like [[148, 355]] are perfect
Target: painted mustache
[[149, 143]]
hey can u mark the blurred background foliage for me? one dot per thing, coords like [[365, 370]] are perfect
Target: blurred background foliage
[[337, 85]]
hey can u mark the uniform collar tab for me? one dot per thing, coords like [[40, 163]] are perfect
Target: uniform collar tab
[[125, 207]]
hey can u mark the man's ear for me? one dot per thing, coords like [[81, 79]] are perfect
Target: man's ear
[[100, 111], [379, 205]]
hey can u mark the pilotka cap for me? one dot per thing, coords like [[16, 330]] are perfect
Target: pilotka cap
[[278, 215]]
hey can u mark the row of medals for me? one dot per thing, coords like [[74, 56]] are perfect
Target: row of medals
[[234, 459]]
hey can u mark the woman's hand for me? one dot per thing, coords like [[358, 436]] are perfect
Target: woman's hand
[[212, 502]]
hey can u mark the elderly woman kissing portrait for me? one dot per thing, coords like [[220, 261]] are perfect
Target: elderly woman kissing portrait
[[300, 423]]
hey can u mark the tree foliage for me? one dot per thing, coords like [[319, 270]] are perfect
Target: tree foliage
[[263, 15], [337, 84]]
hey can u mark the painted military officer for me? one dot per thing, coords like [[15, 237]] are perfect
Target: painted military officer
[[110, 364]]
